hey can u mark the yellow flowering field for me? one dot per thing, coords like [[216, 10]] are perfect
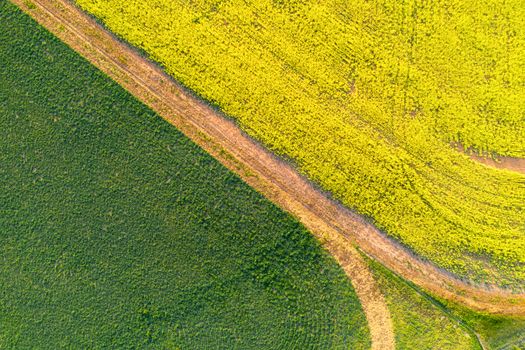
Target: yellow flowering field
[[365, 97]]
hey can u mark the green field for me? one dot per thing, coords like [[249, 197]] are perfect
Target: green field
[[497, 332], [118, 232], [365, 98], [418, 322], [422, 321]]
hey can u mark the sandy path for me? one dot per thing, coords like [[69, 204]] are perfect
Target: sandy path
[[333, 224], [501, 162], [210, 131], [509, 163], [215, 134]]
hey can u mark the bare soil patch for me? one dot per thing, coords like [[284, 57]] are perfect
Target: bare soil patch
[[499, 162]]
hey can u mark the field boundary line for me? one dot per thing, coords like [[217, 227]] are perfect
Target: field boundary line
[[333, 224]]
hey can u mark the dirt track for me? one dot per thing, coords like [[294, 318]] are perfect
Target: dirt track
[[215, 134], [333, 224], [501, 162], [508, 163]]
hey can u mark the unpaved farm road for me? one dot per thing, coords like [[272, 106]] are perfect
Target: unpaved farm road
[[501, 162], [217, 135], [337, 227], [509, 163]]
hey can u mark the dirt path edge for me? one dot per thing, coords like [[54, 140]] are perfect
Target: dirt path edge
[[499, 162], [150, 85]]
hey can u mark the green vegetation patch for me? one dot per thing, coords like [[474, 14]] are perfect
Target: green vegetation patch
[[497, 332], [423, 321], [419, 322], [366, 97], [118, 232]]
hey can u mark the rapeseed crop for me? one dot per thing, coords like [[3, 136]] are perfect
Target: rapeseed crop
[[365, 97]]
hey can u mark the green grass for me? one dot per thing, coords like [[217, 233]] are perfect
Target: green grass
[[498, 332], [419, 323], [422, 321], [118, 232], [365, 98]]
